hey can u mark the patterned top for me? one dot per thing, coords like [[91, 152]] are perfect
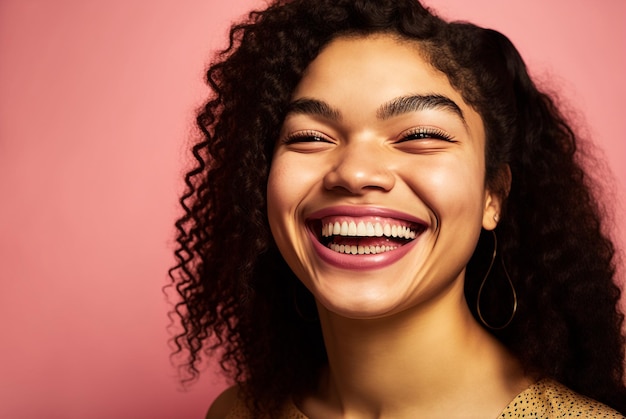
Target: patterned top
[[543, 399], [550, 399]]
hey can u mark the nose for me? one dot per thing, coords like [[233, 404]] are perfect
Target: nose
[[360, 168]]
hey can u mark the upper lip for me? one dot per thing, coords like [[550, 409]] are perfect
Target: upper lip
[[364, 211], [379, 221]]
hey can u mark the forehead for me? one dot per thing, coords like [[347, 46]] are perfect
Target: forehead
[[381, 59], [369, 70]]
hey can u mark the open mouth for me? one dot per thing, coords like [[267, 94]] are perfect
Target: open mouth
[[364, 235]]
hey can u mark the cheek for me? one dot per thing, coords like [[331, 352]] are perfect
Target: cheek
[[282, 184], [451, 187], [278, 197], [291, 179], [287, 186], [278, 206]]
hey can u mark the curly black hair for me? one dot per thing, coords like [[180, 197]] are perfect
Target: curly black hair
[[236, 291]]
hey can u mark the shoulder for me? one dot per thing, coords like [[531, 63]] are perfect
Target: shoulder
[[231, 405], [551, 399], [224, 405]]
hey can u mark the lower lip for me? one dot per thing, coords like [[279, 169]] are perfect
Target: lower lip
[[360, 262]]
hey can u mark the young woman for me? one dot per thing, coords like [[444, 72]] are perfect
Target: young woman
[[388, 219]]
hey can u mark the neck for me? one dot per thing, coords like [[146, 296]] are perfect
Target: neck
[[414, 361]]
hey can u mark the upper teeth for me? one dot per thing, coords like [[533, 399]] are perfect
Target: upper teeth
[[362, 229]]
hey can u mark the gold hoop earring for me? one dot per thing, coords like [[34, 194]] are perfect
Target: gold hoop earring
[[482, 285]]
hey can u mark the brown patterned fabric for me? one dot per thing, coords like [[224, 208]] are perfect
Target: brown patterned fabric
[[549, 399], [544, 399]]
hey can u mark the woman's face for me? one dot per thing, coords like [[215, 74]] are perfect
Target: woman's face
[[376, 194]]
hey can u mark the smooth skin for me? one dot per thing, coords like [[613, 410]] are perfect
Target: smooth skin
[[382, 130]]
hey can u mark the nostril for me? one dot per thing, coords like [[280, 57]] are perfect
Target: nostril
[[359, 180]]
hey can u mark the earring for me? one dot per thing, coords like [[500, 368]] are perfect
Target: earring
[[482, 285], [496, 218]]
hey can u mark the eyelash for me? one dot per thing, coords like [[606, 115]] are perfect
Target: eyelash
[[305, 137], [421, 133], [424, 133]]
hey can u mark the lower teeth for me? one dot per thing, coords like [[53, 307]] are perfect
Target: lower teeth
[[360, 250]]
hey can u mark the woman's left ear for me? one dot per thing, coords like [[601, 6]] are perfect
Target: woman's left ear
[[495, 196]]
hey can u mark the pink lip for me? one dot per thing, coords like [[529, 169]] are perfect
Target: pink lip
[[350, 211], [361, 262]]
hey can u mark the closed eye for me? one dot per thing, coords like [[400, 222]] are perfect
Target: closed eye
[[425, 133], [305, 137], [307, 141]]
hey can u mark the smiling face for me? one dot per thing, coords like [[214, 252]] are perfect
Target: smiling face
[[376, 193]]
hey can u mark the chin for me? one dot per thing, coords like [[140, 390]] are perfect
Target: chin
[[358, 302]]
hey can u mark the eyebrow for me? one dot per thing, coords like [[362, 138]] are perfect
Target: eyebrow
[[308, 106], [395, 107], [415, 103]]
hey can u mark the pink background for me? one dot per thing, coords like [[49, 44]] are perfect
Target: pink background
[[96, 104]]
